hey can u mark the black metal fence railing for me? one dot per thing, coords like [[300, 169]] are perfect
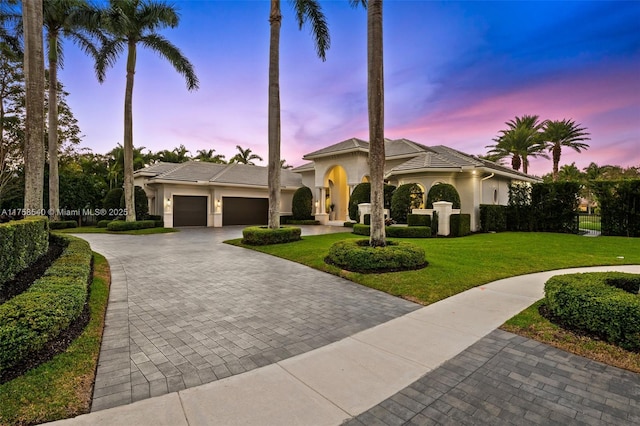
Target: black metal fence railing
[[589, 224]]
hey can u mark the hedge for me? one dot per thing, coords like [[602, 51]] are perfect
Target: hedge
[[103, 223], [443, 192], [405, 198], [111, 201], [493, 218], [63, 224], [358, 256], [122, 225], [261, 235], [419, 220], [21, 243], [605, 304], [459, 225], [303, 222], [544, 207], [619, 203], [302, 204], [32, 319], [360, 194], [396, 231]]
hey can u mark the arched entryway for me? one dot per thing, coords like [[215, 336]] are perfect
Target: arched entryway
[[337, 193]]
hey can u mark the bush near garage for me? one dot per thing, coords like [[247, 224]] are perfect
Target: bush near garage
[[302, 204], [122, 225], [419, 220], [459, 225], [262, 235], [63, 224], [32, 319], [604, 304], [21, 243], [396, 231], [358, 256]]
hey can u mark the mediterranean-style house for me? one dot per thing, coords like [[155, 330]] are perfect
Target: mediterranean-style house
[[207, 194]]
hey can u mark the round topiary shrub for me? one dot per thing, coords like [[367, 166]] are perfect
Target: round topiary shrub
[[360, 194], [443, 192], [140, 202], [262, 235], [358, 256], [302, 204], [404, 199], [111, 201]]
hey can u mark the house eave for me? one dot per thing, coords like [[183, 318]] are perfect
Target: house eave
[[311, 157], [217, 184]]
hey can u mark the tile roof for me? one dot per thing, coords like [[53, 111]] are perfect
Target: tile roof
[[344, 146], [233, 174]]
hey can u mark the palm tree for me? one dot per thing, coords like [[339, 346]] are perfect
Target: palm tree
[[284, 165], [521, 140], [570, 173], [34, 77], [565, 133], [245, 156], [208, 156], [176, 155], [305, 10], [133, 22], [8, 31], [71, 18]]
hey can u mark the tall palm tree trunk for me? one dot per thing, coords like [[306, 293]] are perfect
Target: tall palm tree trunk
[[376, 121], [34, 77], [129, 203], [54, 184], [275, 19], [516, 162], [555, 153]]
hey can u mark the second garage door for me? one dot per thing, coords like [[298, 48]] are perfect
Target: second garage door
[[245, 211], [189, 210]]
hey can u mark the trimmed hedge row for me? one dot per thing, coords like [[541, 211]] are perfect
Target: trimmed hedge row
[[63, 224], [620, 206], [606, 304], [396, 231], [103, 223], [122, 225], [261, 235], [419, 220], [493, 218], [33, 318], [303, 222], [21, 243], [358, 256], [460, 225]]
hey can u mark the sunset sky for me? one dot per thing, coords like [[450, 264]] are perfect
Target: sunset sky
[[454, 73]]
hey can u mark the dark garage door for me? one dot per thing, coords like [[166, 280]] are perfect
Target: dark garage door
[[189, 211], [245, 211]]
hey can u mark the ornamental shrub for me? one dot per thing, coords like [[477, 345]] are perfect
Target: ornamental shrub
[[396, 231], [419, 220], [493, 218], [121, 225], [32, 319], [302, 204], [63, 224], [619, 203], [555, 205], [459, 225], [405, 198], [598, 303], [111, 201], [22, 242], [358, 256], [140, 202], [360, 194], [103, 223], [262, 235], [367, 219], [443, 192]]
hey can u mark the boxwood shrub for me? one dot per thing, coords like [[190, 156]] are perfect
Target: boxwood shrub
[[21, 243], [302, 204], [103, 223], [63, 224], [460, 225], [261, 235], [604, 304], [443, 192], [396, 231], [358, 256], [419, 220], [33, 318], [303, 222], [405, 198], [122, 225]]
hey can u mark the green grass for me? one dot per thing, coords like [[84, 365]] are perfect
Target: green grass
[[530, 323], [62, 387], [96, 230], [457, 264]]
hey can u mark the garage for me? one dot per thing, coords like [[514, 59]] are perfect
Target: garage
[[189, 210], [245, 211]]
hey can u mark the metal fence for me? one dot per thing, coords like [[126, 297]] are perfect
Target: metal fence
[[589, 224]]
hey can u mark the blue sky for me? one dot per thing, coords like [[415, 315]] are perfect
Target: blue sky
[[454, 73]]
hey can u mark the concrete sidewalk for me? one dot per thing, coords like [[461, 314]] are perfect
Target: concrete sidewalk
[[339, 381]]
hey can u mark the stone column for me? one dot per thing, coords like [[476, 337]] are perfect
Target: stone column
[[443, 208]]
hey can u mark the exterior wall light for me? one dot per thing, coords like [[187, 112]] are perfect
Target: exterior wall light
[[168, 202]]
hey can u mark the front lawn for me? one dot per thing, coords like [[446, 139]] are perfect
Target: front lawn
[[458, 264], [96, 230]]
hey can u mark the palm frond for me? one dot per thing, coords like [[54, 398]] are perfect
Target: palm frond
[[152, 16], [356, 3], [108, 55], [171, 53], [310, 11]]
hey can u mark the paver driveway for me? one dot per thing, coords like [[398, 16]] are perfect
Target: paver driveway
[[185, 309]]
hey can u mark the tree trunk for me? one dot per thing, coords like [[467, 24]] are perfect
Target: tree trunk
[[525, 165], [516, 162], [275, 19], [376, 121], [54, 185], [555, 152], [129, 203], [34, 128]]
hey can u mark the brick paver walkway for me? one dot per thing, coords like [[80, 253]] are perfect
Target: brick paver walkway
[[185, 309], [505, 379]]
